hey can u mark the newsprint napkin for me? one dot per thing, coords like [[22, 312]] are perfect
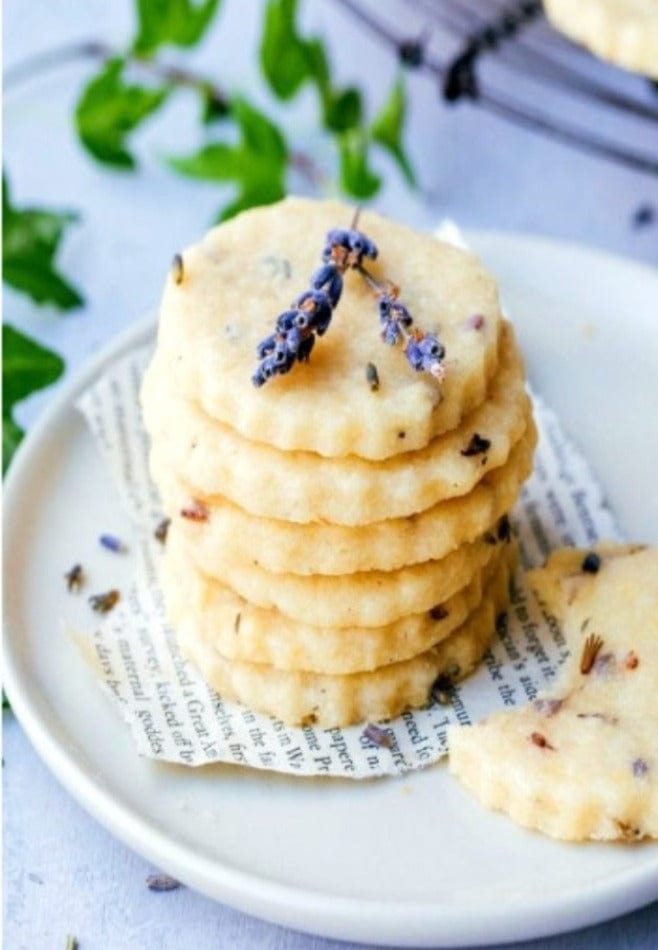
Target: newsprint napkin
[[175, 717]]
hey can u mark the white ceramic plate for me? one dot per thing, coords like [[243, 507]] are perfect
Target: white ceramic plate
[[411, 861]]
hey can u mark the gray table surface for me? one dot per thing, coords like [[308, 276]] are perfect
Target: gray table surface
[[63, 873]]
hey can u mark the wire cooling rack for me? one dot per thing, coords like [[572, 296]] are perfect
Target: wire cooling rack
[[500, 55]]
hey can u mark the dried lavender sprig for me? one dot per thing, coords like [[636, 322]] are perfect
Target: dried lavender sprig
[[311, 312], [424, 352]]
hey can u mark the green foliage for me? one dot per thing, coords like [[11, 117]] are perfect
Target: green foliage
[[178, 22], [356, 176], [109, 110], [11, 439], [30, 238], [256, 164], [284, 55], [214, 107], [26, 367], [288, 61], [388, 126]]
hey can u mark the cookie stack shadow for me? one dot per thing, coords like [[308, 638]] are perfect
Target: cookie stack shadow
[[334, 588]]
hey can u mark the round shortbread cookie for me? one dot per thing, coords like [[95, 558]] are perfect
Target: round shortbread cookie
[[329, 701], [364, 599], [240, 631], [624, 32], [582, 762], [245, 273], [304, 487], [283, 547]]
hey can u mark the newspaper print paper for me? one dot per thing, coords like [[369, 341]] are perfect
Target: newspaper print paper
[[175, 717]]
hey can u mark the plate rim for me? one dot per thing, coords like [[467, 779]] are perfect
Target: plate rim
[[328, 914]]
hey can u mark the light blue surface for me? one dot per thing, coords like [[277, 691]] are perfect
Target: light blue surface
[[63, 874]]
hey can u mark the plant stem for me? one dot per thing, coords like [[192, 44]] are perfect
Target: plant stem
[[93, 49], [31, 66], [47, 60]]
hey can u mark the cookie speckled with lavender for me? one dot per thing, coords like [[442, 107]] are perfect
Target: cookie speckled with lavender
[[582, 763], [310, 313], [310, 329]]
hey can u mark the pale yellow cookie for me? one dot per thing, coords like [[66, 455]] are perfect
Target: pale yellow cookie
[[305, 698], [567, 571], [237, 281], [304, 487], [240, 631], [283, 547], [582, 761], [364, 599], [624, 32]]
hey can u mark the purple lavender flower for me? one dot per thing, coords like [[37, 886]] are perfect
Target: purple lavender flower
[[311, 312], [348, 247], [640, 768], [317, 308], [393, 318], [286, 321], [266, 346], [425, 354], [329, 279], [278, 359]]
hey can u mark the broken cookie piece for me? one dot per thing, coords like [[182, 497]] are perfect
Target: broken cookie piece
[[581, 762]]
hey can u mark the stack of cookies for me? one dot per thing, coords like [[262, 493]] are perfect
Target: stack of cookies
[[338, 540]]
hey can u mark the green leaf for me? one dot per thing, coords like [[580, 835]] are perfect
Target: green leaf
[[215, 162], [12, 435], [109, 110], [342, 110], [256, 164], [289, 60], [388, 126], [26, 367], [214, 107], [178, 22], [254, 193], [30, 238], [284, 55], [356, 176], [260, 136]]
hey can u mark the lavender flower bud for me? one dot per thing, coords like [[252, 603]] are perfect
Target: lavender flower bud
[[317, 304], [305, 348], [361, 246], [329, 279], [425, 354], [337, 237], [279, 362], [286, 321], [266, 346], [393, 316], [355, 243]]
